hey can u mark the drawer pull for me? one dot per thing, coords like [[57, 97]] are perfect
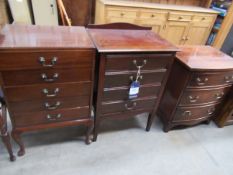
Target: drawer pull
[[187, 113], [54, 94], [43, 62], [53, 117], [180, 17], [193, 99], [200, 81], [52, 107], [219, 95], [132, 107], [139, 66], [45, 77], [203, 18], [122, 14], [211, 111], [132, 79], [229, 79], [152, 15]]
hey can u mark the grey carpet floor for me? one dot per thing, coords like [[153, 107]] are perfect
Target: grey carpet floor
[[124, 148]]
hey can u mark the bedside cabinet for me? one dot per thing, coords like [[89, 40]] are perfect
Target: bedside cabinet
[[199, 81], [128, 53], [46, 77]]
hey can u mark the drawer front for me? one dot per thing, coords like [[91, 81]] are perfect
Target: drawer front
[[194, 113], [119, 80], [47, 91], [117, 94], [48, 104], [26, 77], [46, 117], [193, 97], [210, 79], [179, 17], [46, 59], [125, 106], [153, 15], [121, 13], [203, 18], [130, 62]]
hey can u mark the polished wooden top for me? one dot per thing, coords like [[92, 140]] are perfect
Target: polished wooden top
[[31, 36], [116, 40], [204, 58]]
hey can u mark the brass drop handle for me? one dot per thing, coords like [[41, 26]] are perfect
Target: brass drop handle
[[132, 79], [200, 81], [219, 95], [211, 111], [229, 79], [140, 66], [52, 107], [132, 107], [187, 113], [193, 99], [53, 117], [54, 94], [46, 79], [43, 62]]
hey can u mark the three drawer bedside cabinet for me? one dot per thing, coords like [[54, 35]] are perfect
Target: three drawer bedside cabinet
[[129, 55], [46, 74], [198, 83]]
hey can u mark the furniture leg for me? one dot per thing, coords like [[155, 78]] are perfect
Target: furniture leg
[[167, 128], [89, 132], [16, 136], [149, 122], [96, 131], [3, 131]]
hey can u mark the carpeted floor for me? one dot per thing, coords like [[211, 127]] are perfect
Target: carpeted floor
[[124, 148]]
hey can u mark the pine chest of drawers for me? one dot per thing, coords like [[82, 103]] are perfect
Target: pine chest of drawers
[[200, 79], [46, 76], [121, 54]]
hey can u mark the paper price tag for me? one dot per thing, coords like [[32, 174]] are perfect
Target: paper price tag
[[134, 90]]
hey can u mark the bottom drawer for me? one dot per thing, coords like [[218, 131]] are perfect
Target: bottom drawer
[[45, 117], [194, 113], [123, 106]]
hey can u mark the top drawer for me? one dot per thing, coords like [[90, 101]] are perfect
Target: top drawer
[[179, 16], [203, 18], [45, 59], [121, 13], [210, 79], [153, 15], [130, 62]]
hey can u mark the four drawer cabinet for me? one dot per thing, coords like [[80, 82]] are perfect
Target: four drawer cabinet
[[199, 81], [47, 79], [127, 56]]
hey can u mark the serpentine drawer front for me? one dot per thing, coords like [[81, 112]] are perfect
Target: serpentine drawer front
[[200, 79], [47, 79], [127, 56]]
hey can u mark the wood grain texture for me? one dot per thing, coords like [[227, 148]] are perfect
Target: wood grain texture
[[43, 37]]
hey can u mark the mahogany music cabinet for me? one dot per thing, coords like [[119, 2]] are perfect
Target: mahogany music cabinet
[[46, 74], [125, 53]]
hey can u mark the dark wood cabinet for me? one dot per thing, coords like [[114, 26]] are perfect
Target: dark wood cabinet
[[47, 76], [200, 79], [125, 54]]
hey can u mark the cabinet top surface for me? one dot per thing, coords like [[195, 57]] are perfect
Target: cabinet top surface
[[126, 3], [204, 58], [30, 36], [116, 40]]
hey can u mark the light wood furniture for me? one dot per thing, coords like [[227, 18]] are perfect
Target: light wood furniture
[[3, 14], [225, 117], [200, 79], [178, 24], [124, 54], [46, 74]]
